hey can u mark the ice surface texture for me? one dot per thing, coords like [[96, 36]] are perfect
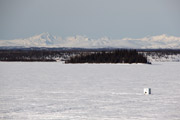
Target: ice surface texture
[[55, 91]]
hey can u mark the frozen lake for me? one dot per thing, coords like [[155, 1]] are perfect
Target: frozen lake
[[55, 91]]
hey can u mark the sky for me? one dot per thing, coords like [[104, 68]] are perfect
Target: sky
[[92, 18]]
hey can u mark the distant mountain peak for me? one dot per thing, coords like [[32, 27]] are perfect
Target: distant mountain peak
[[46, 35], [45, 39]]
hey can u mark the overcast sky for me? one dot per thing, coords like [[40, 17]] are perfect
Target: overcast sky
[[93, 18]]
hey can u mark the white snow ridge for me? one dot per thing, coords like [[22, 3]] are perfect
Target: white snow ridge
[[48, 40]]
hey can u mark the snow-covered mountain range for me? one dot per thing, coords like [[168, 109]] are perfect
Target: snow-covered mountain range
[[48, 40]]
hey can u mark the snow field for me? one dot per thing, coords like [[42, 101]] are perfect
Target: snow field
[[55, 91]]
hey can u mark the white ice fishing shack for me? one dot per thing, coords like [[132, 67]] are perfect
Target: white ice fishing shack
[[147, 91]]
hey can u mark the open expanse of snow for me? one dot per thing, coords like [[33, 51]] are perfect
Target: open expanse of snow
[[55, 91]]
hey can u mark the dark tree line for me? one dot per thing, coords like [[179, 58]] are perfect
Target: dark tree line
[[83, 55], [117, 56], [163, 52], [28, 55]]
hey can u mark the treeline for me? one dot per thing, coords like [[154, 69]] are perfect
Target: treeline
[[83, 55], [29, 55], [116, 56], [162, 53]]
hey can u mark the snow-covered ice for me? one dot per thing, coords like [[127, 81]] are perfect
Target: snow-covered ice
[[55, 91]]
